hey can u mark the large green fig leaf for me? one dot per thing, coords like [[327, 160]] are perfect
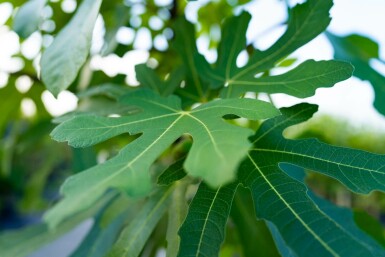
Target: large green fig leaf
[[359, 50], [62, 60], [360, 171], [306, 21], [284, 201], [217, 150]]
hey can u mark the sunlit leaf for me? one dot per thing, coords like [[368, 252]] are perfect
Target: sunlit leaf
[[217, 150], [28, 17], [301, 81], [62, 60]]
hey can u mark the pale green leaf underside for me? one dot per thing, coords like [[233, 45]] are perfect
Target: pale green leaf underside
[[217, 150], [203, 231], [132, 238], [62, 60], [301, 81], [28, 17], [176, 215]]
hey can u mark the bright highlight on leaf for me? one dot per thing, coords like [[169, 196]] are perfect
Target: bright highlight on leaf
[[217, 150], [62, 60], [28, 17]]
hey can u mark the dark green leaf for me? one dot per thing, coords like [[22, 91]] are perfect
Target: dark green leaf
[[149, 79], [203, 231], [303, 225], [173, 173], [254, 235], [359, 170], [301, 81]]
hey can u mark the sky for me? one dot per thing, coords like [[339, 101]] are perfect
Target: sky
[[350, 100]]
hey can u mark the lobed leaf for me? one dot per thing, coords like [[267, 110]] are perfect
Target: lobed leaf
[[306, 21], [173, 173], [360, 171], [217, 150], [301, 81], [301, 223], [62, 60]]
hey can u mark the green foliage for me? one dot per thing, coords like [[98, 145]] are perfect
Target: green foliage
[[28, 18], [359, 50], [63, 59], [188, 156]]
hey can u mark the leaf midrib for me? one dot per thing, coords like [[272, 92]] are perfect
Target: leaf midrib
[[129, 165], [316, 158], [287, 81], [205, 223], [309, 229]]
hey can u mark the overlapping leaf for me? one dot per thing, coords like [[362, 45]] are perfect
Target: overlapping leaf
[[360, 171], [195, 90], [149, 79], [217, 150], [24, 242], [343, 216], [203, 231], [283, 200], [62, 60], [301, 81], [306, 21], [133, 238], [359, 50]]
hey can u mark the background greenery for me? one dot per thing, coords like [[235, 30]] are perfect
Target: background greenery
[[33, 166]]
